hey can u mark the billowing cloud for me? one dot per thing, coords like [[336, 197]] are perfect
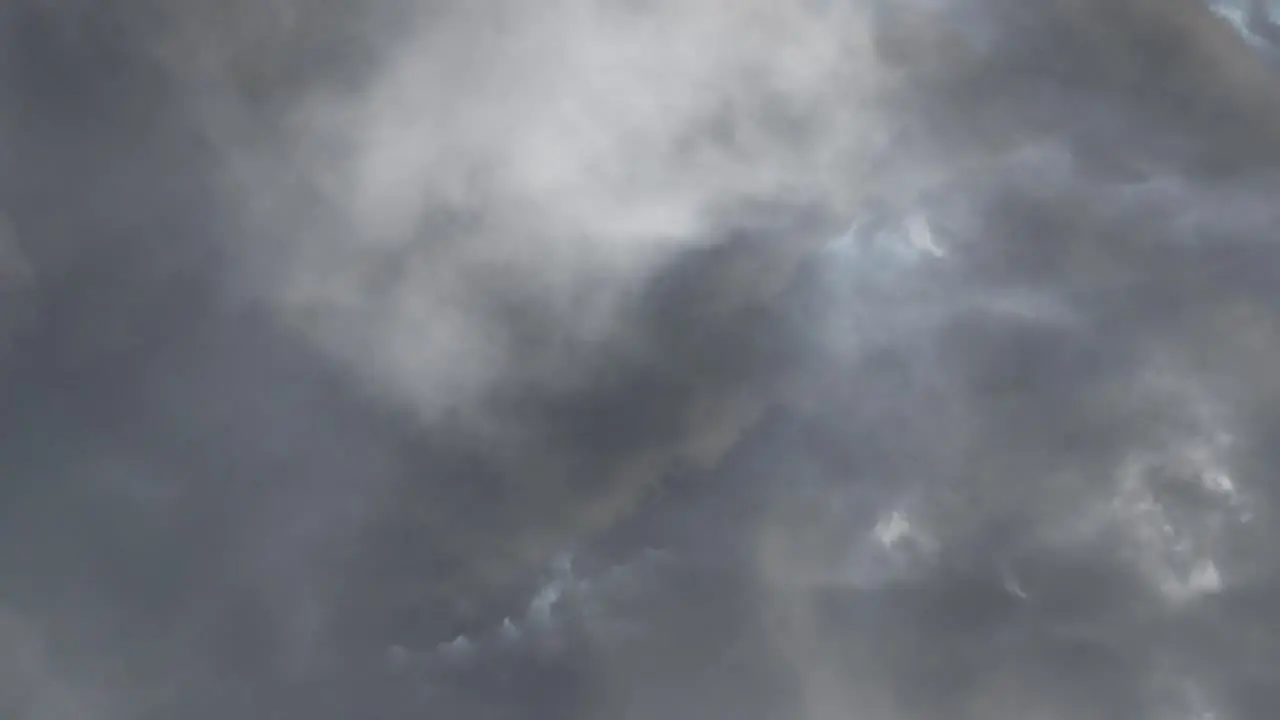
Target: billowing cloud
[[631, 359]]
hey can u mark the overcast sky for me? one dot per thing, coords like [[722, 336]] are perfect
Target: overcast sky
[[631, 359]]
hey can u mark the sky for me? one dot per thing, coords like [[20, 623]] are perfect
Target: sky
[[631, 359]]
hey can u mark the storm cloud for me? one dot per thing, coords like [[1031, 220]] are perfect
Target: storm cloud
[[631, 359]]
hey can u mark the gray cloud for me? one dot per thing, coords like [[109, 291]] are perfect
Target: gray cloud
[[897, 361]]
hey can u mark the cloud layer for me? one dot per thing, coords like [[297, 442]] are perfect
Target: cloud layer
[[612, 359]]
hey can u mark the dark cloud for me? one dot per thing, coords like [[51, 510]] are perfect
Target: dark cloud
[[606, 359]]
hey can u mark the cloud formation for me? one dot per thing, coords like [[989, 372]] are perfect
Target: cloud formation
[[627, 359]]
